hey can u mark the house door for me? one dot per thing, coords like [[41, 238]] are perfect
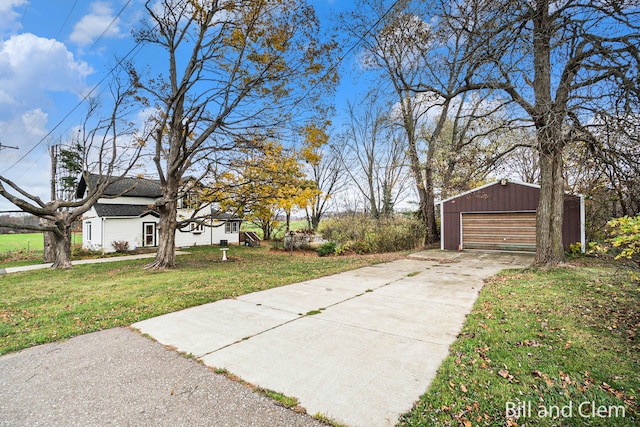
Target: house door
[[148, 234]]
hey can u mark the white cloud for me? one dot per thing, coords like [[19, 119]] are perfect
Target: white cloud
[[32, 174], [34, 71], [8, 16], [99, 20], [32, 68]]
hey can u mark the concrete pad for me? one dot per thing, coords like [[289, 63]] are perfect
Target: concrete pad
[[452, 293], [206, 328], [430, 322], [299, 298], [356, 376]]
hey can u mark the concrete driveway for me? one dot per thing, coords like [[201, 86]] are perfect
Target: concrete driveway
[[357, 347]]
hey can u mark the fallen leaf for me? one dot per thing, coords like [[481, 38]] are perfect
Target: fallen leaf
[[463, 388]]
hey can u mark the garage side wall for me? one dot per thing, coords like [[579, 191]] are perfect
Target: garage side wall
[[512, 197]]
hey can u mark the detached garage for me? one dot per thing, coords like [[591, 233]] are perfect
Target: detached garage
[[502, 216]]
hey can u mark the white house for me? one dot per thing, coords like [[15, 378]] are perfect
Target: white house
[[125, 214]]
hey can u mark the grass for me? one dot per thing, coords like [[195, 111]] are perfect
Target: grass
[[25, 249], [543, 339], [28, 242], [20, 242], [48, 305]]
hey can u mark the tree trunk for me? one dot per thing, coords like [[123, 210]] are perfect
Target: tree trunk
[[416, 171], [549, 247], [430, 212], [548, 121], [49, 247], [62, 248], [166, 255], [313, 220]]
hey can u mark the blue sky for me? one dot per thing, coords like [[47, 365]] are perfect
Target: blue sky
[[52, 52]]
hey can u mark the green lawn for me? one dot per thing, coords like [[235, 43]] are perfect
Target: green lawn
[[544, 347], [47, 305], [21, 242]]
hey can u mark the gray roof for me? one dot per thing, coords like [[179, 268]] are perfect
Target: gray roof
[[119, 210], [134, 187], [106, 210]]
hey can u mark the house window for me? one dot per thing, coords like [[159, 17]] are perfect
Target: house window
[[149, 234], [190, 200], [88, 231], [197, 227], [231, 227]]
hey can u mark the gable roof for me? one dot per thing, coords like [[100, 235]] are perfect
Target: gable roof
[[490, 184], [132, 187], [120, 210]]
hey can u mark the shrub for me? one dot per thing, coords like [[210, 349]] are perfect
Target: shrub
[[625, 237], [623, 240], [362, 234], [575, 249], [120, 246], [79, 252], [325, 249]]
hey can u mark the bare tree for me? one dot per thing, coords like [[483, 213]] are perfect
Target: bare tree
[[560, 63], [232, 69], [476, 138], [522, 162], [374, 154], [109, 149], [328, 175], [427, 67]]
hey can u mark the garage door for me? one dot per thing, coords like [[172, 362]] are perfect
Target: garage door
[[505, 231]]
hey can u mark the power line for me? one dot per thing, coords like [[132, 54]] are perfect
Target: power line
[[66, 19], [24, 14], [113, 21]]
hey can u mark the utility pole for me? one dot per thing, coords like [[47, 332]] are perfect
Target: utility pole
[[2, 147], [54, 170]]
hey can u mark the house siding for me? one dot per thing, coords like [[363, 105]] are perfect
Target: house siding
[[123, 217]]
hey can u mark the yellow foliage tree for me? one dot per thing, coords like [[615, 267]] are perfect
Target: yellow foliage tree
[[267, 180]]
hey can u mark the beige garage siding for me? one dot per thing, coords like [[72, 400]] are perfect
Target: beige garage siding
[[506, 231]]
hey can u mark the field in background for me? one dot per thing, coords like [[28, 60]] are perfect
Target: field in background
[[25, 249], [298, 224], [21, 242]]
